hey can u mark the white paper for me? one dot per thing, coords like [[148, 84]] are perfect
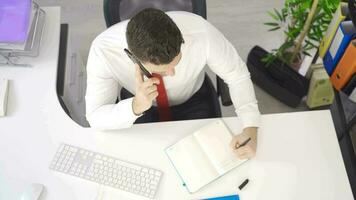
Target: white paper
[[191, 163], [215, 141], [336, 42]]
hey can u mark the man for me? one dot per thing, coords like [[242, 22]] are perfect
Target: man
[[174, 47]]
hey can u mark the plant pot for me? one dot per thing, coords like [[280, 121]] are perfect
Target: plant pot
[[278, 79]]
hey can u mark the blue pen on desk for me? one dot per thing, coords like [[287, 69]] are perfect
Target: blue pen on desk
[[230, 197]]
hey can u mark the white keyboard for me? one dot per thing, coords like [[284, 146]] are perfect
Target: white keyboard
[[106, 170]]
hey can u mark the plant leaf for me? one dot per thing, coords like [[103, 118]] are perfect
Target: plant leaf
[[271, 24], [278, 14], [273, 29], [272, 15], [306, 53]]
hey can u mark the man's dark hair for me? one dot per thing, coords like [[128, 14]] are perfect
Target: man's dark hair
[[153, 37]]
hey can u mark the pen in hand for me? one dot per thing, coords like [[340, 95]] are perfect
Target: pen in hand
[[243, 144]]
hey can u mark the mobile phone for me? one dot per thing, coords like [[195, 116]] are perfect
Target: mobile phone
[[135, 60]]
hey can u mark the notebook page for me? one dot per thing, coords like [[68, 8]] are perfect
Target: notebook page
[[215, 140], [191, 163]]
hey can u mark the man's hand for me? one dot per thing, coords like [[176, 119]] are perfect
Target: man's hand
[[249, 150], [146, 92]]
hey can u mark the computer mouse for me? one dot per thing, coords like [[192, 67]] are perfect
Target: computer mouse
[[32, 192]]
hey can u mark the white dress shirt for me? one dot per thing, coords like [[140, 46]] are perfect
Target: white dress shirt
[[108, 67]]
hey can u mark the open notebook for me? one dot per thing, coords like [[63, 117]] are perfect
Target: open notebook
[[204, 155]]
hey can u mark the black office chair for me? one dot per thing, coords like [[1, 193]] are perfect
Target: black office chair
[[63, 40], [119, 10]]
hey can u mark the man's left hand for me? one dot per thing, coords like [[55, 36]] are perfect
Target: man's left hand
[[249, 150]]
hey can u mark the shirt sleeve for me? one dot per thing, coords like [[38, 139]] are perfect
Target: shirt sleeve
[[101, 95], [223, 60]]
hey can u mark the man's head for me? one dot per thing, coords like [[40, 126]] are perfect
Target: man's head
[[155, 40]]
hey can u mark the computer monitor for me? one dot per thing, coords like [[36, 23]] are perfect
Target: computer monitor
[[14, 20]]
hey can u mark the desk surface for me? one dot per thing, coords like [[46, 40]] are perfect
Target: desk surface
[[298, 155]]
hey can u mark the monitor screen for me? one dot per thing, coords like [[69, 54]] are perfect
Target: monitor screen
[[14, 20]]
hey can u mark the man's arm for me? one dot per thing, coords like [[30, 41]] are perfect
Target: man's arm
[[223, 59], [102, 93], [226, 63]]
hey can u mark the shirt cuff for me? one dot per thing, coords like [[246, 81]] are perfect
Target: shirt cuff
[[250, 119], [127, 106]]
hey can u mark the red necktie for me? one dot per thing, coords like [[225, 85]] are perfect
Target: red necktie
[[162, 100]]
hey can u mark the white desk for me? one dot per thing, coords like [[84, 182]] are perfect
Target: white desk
[[298, 155]]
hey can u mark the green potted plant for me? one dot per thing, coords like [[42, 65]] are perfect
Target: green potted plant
[[303, 23]]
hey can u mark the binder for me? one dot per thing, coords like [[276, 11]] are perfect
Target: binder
[[341, 40], [339, 15], [346, 67]]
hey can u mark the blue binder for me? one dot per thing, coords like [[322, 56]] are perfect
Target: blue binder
[[231, 197], [341, 40]]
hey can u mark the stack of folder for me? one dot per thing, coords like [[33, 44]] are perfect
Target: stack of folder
[[21, 25], [344, 34], [338, 50]]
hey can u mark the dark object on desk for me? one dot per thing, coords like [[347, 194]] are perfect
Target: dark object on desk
[[119, 10], [277, 79], [343, 112], [243, 184]]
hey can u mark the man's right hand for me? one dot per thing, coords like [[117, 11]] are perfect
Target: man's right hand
[[146, 92]]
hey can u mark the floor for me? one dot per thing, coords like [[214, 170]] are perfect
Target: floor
[[240, 21]]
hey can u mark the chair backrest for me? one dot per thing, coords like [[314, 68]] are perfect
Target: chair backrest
[[61, 71], [119, 10]]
